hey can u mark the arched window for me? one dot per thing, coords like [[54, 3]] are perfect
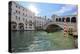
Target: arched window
[[59, 19], [56, 19], [73, 19], [63, 19], [21, 26], [13, 25], [68, 19]]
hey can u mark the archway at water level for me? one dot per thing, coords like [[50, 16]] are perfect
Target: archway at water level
[[13, 25], [21, 26]]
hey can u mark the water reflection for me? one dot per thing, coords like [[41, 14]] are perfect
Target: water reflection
[[28, 41]]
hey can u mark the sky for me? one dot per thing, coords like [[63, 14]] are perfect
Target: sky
[[49, 9]]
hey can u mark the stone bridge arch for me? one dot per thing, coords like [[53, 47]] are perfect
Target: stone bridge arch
[[53, 24], [53, 28]]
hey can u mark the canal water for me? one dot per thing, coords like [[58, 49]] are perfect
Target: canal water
[[30, 41]]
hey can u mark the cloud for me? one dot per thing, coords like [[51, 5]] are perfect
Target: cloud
[[64, 9], [33, 8]]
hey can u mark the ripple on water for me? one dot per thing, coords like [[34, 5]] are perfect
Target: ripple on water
[[39, 45]]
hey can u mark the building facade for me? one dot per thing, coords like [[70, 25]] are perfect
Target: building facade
[[23, 19], [40, 22]]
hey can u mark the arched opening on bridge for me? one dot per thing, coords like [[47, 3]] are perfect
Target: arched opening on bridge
[[68, 19], [21, 26], [53, 28], [56, 19], [59, 19], [73, 19], [63, 19]]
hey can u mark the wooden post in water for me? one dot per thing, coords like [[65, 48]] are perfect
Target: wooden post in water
[[65, 32], [65, 27]]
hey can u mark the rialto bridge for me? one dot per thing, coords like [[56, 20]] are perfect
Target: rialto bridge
[[71, 22]]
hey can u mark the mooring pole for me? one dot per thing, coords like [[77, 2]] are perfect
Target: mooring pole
[[65, 32], [65, 27]]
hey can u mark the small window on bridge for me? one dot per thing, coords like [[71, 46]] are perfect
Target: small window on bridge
[[63, 19], [56, 19], [73, 19], [59, 19], [68, 19]]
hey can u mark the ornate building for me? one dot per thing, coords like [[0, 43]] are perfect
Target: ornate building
[[22, 18]]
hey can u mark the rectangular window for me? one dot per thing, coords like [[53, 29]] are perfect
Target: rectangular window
[[19, 18], [16, 11], [16, 17]]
